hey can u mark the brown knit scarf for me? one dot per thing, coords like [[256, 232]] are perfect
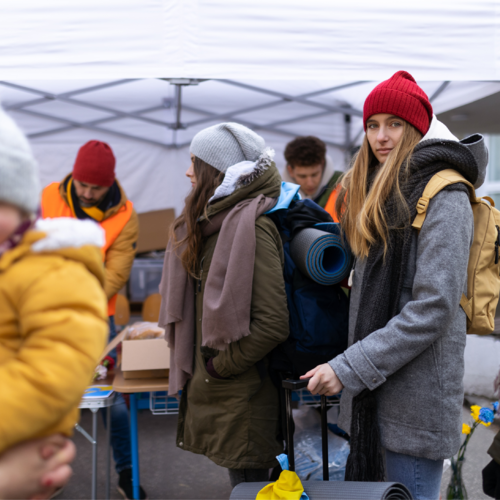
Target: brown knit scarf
[[228, 289]]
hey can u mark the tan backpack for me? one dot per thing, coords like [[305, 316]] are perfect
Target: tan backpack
[[483, 280]]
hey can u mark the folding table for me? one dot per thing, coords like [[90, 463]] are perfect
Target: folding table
[[94, 405], [132, 387]]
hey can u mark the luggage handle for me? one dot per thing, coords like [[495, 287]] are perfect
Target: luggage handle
[[295, 385]]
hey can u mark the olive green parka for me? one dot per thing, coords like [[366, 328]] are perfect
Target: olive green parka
[[235, 421]]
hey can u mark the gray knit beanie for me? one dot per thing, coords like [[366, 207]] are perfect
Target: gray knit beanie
[[226, 144], [19, 183]]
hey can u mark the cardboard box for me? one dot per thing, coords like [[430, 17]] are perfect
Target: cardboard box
[[147, 358], [153, 229]]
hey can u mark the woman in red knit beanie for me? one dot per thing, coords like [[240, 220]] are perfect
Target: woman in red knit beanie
[[402, 374]]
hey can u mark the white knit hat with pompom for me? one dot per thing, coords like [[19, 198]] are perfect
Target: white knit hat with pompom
[[19, 184]]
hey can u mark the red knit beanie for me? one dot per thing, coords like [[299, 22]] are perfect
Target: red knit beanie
[[400, 96], [95, 164]]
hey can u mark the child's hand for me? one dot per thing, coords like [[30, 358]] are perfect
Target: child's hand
[[323, 381], [36, 469]]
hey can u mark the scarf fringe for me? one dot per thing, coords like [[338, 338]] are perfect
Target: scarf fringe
[[366, 461]]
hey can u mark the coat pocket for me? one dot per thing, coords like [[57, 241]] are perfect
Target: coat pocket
[[413, 395]]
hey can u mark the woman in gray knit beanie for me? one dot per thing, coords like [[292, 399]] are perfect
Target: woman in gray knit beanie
[[224, 303]]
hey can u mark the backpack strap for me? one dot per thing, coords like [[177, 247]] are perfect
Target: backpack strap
[[434, 186]]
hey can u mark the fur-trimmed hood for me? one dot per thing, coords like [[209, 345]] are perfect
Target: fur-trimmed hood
[[243, 174], [73, 239], [246, 180]]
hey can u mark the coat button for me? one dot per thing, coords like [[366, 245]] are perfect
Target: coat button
[[181, 443], [206, 380], [374, 380]]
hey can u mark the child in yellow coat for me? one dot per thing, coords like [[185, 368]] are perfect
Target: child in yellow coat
[[53, 319]]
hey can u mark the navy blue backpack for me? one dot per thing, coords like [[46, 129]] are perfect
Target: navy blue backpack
[[318, 313]]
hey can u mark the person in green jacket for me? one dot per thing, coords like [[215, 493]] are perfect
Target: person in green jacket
[[224, 304]]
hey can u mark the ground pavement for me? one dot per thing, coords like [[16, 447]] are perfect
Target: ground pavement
[[170, 473]]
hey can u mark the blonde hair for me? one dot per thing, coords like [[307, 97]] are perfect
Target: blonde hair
[[362, 211]]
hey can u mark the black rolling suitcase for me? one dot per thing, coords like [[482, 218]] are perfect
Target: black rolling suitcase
[[323, 490]]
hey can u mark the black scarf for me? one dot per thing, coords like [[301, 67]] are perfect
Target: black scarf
[[382, 285], [110, 200]]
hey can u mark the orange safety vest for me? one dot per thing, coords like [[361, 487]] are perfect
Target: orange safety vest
[[53, 205], [330, 204]]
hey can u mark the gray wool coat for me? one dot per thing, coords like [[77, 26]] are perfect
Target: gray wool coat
[[415, 364]]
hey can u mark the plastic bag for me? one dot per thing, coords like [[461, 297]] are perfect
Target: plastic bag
[[308, 448], [287, 487], [145, 330]]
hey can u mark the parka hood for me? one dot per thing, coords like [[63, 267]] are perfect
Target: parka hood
[[73, 239], [469, 156], [247, 180]]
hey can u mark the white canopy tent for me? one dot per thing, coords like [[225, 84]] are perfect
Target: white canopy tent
[[250, 39], [146, 75], [283, 68]]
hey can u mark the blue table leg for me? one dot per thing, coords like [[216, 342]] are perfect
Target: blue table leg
[[135, 445]]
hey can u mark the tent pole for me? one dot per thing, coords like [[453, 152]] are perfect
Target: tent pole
[[299, 119], [270, 104], [50, 97], [291, 98], [76, 102], [178, 110], [92, 127], [439, 90], [347, 149], [67, 128], [255, 126]]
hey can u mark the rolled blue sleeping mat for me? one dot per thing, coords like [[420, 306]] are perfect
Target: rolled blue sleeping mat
[[321, 253]]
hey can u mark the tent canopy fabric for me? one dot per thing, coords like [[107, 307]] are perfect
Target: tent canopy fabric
[[146, 75], [250, 39]]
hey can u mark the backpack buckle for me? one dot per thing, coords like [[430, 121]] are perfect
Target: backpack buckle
[[422, 204]]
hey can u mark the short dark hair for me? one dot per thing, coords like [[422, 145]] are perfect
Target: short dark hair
[[305, 151]]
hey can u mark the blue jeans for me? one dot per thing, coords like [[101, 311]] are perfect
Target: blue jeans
[[420, 475], [120, 424]]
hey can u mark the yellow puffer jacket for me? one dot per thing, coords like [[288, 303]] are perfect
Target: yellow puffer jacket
[[53, 327]]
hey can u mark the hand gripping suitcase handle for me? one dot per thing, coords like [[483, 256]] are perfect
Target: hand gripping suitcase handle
[[295, 385]]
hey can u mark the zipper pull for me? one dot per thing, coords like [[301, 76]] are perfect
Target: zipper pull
[[497, 244]]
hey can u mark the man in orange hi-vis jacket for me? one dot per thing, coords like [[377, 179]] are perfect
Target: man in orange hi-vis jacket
[[91, 191], [330, 204]]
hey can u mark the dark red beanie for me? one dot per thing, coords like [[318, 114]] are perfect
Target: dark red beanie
[[400, 96], [95, 164]]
